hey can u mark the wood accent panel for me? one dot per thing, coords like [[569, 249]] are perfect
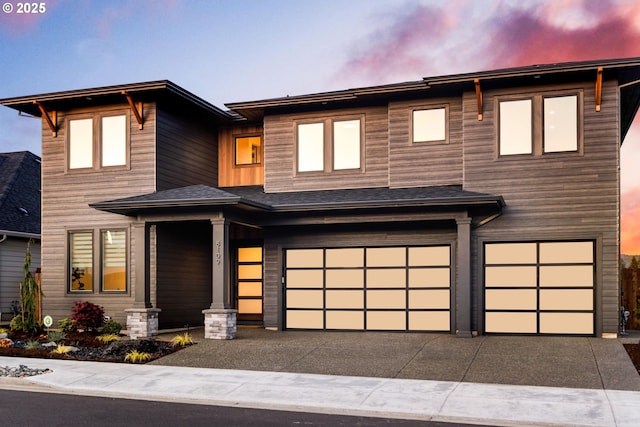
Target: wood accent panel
[[65, 206], [280, 160], [187, 152], [230, 175], [554, 196], [424, 163]]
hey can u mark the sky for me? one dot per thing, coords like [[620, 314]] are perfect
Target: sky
[[241, 50]]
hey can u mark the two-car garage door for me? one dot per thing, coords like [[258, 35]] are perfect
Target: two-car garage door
[[365, 288]]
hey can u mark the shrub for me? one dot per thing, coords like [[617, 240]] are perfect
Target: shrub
[[87, 315], [67, 325], [55, 336], [16, 323], [182, 340], [110, 327], [32, 345], [4, 331], [135, 356], [107, 338]]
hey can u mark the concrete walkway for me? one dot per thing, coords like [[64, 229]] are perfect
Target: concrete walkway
[[287, 370]]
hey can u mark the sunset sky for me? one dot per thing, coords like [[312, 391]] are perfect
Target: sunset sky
[[239, 50]]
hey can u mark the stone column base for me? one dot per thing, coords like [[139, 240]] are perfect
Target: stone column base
[[142, 322], [220, 323]]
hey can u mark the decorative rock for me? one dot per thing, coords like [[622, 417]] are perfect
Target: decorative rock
[[21, 371], [3, 335], [50, 345]]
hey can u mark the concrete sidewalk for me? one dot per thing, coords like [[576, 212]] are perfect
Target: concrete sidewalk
[[491, 404]]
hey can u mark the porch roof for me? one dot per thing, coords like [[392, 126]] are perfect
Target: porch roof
[[253, 198]]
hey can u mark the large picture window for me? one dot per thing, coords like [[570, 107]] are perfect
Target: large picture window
[[114, 261], [346, 144], [515, 127], [560, 124], [310, 147], [81, 261], [101, 139], [114, 141], [80, 143], [429, 125]]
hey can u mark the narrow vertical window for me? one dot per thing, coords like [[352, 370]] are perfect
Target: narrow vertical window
[[248, 150], [310, 147], [346, 144], [80, 143], [114, 141], [114, 260], [429, 125], [81, 261], [515, 127], [561, 124]]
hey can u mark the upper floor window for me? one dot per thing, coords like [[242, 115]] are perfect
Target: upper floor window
[[322, 151], [248, 150], [105, 136], [429, 125], [540, 124]]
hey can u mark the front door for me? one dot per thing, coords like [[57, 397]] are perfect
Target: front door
[[248, 284]]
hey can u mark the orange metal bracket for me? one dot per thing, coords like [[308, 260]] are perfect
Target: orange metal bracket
[[51, 121], [137, 109], [479, 98], [599, 89]]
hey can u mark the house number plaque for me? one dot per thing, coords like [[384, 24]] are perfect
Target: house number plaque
[[218, 252]]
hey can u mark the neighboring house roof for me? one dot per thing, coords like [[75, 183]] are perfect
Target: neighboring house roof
[[625, 70], [254, 198], [20, 194]]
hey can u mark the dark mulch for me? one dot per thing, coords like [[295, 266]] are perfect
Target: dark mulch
[[634, 354], [89, 348]]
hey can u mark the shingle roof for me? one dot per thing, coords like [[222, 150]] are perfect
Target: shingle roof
[[20, 193], [254, 197]]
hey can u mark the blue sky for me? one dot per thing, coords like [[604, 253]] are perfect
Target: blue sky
[[229, 51]]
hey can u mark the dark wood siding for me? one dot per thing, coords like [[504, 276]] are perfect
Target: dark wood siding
[[280, 161], [424, 163], [555, 196], [184, 272], [65, 206], [229, 174], [187, 150], [278, 239]]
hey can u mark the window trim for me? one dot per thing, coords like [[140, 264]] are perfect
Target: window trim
[[235, 148], [69, 263], [537, 123], [126, 256], [328, 144], [414, 109], [97, 146]]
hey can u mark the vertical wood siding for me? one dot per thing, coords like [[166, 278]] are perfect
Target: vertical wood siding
[[229, 174], [556, 196]]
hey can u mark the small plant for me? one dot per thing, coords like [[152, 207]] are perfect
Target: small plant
[[32, 345], [107, 338], [4, 331], [62, 349], [135, 356], [67, 325], [56, 336], [110, 327], [182, 340], [16, 323], [88, 316]]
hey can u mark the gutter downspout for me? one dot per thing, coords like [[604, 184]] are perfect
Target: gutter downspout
[[4, 237]]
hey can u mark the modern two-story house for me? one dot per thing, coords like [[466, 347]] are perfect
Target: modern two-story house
[[475, 203]]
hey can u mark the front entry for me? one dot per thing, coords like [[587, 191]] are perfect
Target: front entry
[[248, 284]]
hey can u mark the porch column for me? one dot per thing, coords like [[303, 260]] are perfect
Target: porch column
[[463, 276], [142, 318], [220, 318]]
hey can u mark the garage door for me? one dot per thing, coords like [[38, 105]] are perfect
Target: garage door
[[391, 288], [539, 288]]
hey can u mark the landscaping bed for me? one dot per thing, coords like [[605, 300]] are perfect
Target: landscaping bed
[[634, 353]]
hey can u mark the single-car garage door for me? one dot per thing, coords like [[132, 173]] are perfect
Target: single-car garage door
[[539, 288], [390, 288]]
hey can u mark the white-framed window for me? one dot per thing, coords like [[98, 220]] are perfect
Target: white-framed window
[[97, 141], [329, 145], [346, 144], [516, 133], [429, 124], [310, 147]]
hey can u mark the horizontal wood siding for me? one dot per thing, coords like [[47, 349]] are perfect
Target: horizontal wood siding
[[187, 150], [556, 196], [184, 272], [280, 161], [229, 174], [278, 239], [424, 163], [12, 253], [65, 206]]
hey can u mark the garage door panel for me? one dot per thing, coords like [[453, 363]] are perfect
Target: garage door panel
[[305, 278], [429, 277], [305, 299], [424, 299], [515, 323], [566, 252], [511, 299], [429, 320], [305, 258], [386, 257], [430, 256], [387, 320], [566, 323], [566, 299], [345, 319], [386, 278], [344, 299], [563, 275], [348, 257], [387, 299], [347, 278], [510, 253], [510, 276], [305, 319]]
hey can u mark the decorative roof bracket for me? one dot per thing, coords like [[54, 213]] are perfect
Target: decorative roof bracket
[[51, 121], [599, 89], [479, 98], [136, 109]]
